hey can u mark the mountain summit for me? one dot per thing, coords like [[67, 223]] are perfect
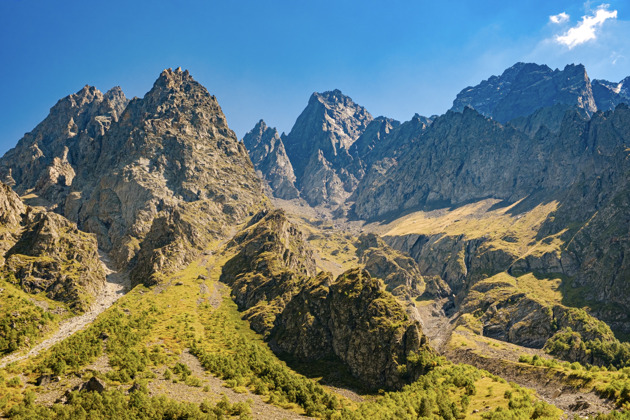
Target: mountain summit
[[135, 177], [526, 87], [318, 146], [270, 159]]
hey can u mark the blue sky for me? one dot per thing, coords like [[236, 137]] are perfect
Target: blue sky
[[263, 59]]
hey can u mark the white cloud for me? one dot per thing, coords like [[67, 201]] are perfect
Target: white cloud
[[586, 29], [559, 18]]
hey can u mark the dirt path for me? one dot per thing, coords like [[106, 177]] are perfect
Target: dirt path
[[117, 284]]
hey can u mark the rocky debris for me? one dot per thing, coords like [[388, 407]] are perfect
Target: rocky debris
[[312, 317], [318, 147], [45, 380], [267, 152], [117, 284], [526, 87]]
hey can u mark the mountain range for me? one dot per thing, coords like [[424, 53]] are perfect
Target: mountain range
[[436, 259]]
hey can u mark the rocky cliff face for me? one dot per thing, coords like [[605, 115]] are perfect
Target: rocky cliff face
[[584, 238], [42, 251], [311, 317], [318, 146], [463, 157], [63, 149], [267, 152], [501, 308], [596, 210], [53, 256], [608, 94], [155, 182], [526, 87], [272, 263], [370, 147]]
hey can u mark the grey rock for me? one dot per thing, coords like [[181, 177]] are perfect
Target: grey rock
[[65, 145], [93, 385], [608, 94], [270, 159], [155, 182], [318, 146], [312, 317], [526, 87]]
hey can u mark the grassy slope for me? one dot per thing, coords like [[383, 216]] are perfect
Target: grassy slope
[[26, 319], [149, 328], [515, 234]]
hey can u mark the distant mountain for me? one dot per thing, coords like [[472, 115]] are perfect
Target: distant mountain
[[267, 152], [507, 218], [318, 146], [526, 87], [608, 95]]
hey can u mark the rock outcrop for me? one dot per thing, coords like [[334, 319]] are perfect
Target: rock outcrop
[[42, 251], [272, 263], [500, 309], [352, 318], [399, 272], [318, 147], [267, 152], [11, 211], [356, 320]]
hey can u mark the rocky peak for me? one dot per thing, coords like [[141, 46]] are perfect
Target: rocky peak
[[608, 94], [259, 135], [526, 87], [170, 177], [374, 133], [267, 152], [176, 96], [318, 146], [70, 136], [331, 122]]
